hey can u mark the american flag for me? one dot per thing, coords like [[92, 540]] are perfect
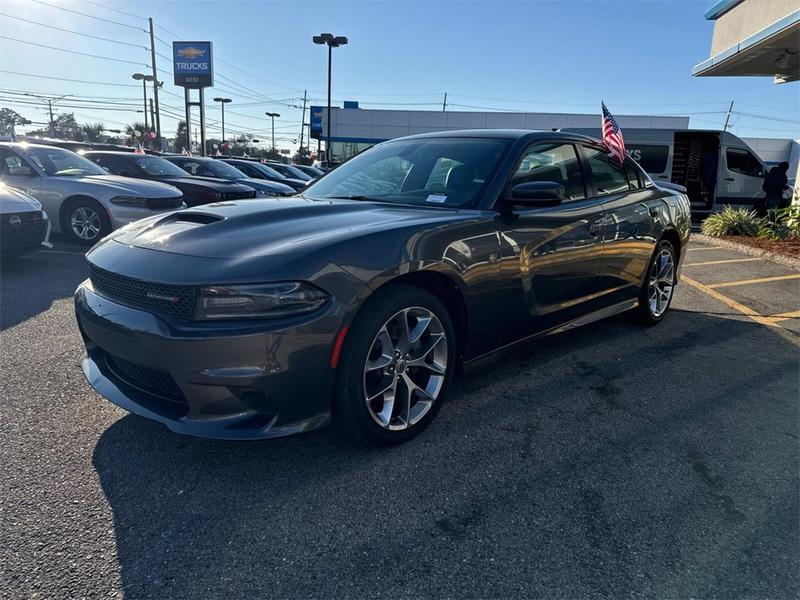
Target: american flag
[[612, 136]]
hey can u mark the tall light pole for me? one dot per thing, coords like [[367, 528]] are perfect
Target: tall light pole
[[272, 116], [223, 101], [332, 42], [144, 79]]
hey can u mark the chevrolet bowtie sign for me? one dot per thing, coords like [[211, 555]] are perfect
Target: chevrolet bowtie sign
[[192, 64]]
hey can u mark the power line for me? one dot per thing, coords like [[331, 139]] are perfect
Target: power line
[[70, 80], [119, 60], [116, 10], [88, 35], [83, 14]]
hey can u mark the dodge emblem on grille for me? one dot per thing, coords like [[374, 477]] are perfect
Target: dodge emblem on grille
[[15, 220], [163, 297]]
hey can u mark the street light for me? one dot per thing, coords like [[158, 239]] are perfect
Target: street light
[[224, 101], [144, 79], [272, 116], [332, 42]]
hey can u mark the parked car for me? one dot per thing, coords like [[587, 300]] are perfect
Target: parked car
[[82, 200], [217, 169], [24, 226], [360, 299], [288, 170], [258, 170], [196, 190], [312, 172]]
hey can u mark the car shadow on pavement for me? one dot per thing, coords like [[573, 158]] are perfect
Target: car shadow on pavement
[[602, 461], [30, 284]]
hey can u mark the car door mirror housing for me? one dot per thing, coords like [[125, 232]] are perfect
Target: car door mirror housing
[[22, 171], [537, 193]]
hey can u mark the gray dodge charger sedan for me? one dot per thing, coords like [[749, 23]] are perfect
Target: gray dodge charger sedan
[[357, 301]]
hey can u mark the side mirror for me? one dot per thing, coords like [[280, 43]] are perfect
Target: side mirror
[[537, 193], [22, 171]]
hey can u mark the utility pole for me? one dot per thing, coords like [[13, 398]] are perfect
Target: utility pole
[[444, 103], [728, 118], [157, 118], [303, 122], [52, 125], [153, 114]]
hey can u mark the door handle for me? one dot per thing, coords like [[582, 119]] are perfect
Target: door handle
[[729, 179], [594, 228]]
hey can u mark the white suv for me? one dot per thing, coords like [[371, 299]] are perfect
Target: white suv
[[81, 199]]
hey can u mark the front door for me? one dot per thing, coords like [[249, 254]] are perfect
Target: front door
[[550, 256], [742, 177]]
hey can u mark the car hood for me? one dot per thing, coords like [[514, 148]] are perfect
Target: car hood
[[274, 226], [14, 201], [128, 185]]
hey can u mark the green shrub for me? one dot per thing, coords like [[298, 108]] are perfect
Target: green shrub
[[732, 221], [781, 223]]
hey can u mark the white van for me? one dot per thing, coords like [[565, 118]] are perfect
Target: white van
[[715, 167]]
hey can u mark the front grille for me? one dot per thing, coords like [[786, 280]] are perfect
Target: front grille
[[162, 203], [238, 195], [176, 301], [28, 230], [150, 380]]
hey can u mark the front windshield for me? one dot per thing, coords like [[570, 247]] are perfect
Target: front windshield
[[158, 167], [425, 171], [298, 174], [58, 162], [224, 170]]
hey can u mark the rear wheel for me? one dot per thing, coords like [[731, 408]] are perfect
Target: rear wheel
[[396, 364], [656, 294], [85, 221]]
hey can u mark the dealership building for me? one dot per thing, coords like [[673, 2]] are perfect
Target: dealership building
[[355, 129]]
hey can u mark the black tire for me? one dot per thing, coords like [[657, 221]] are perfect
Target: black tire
[[350, 410], [644, 312], [85, 206]]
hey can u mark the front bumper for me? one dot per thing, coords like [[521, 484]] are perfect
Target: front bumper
[[216, 383]]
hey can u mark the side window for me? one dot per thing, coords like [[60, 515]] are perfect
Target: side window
[[632, 173], [552, 162], [742, 161], [609, 178], [247, 170]]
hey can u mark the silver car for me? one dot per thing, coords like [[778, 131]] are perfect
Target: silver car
[[80, 198]]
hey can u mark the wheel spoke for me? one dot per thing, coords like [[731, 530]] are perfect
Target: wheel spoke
[[403, 333], [386, 348], [419, 329]]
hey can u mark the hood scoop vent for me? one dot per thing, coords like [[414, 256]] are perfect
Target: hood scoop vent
[[196, 217]]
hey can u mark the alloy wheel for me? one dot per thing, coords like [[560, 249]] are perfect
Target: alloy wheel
[[405, 368], [661, 282], [85, 223]]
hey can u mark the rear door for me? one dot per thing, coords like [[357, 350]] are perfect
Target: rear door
[[550, 256], [628, 235]]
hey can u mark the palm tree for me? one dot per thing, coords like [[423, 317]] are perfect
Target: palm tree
[[135, 131], [93, 132]]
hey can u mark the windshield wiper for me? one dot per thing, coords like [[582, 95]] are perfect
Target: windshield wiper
[[353, 197]]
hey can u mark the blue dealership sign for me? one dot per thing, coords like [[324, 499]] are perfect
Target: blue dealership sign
[[316, 121], [192, 64]]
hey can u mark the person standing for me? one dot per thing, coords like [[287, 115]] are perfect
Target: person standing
[[774, 185]]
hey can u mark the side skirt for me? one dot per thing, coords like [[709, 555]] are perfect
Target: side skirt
[[483, 361]]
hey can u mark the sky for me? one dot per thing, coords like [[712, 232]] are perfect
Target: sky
[[535, 55]]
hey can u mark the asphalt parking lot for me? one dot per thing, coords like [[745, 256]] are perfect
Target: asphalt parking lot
[[607, 461]]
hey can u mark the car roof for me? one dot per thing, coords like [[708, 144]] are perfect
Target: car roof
[[25, 145], [509, 134], [116, 153]]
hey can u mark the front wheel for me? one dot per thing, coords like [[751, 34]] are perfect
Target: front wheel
[[85, 222], [656, 294], [396, 364]]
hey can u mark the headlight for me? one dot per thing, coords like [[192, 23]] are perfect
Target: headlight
[[129, 201], [270, 300]]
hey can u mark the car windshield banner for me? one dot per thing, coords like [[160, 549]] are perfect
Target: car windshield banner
[[192, 64]]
